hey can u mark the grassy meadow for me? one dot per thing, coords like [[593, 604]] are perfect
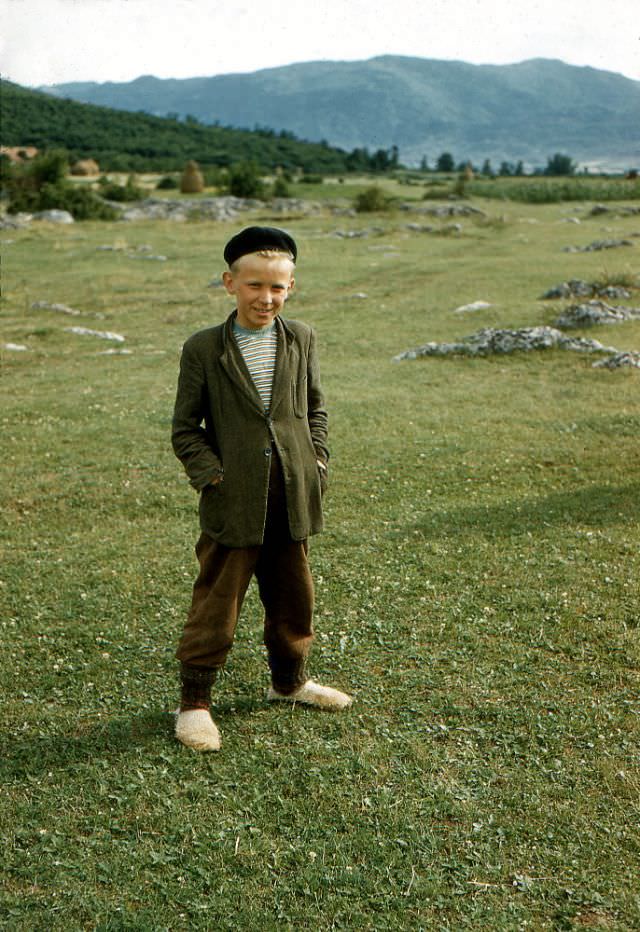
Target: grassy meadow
[[477, 592]]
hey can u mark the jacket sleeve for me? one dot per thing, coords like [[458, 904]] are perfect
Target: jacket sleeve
[[190, 440], [316, 411]]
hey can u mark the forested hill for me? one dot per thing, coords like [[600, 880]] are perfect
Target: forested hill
[[136, 141], [524, 111]]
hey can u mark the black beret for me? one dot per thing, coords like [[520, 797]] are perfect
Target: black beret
[[254, 239]]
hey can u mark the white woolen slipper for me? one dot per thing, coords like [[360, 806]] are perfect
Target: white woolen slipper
[[322, 697], [196, 729]]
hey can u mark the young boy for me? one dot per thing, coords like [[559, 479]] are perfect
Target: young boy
[[250, 428]]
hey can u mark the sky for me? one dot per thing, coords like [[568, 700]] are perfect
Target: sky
[[57, 41]]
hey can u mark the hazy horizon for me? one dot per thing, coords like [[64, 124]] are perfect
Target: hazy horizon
[[48, 42]]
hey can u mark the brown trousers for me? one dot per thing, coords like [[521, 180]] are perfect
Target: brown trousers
[[281, 568]]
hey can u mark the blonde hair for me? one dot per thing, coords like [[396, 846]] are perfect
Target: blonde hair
[[268, 253]]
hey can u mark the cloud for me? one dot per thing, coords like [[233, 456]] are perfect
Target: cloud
[[52, 41]]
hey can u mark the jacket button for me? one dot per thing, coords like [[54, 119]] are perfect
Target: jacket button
[[267, 451]]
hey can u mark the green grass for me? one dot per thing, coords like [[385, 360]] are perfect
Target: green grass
[[477, 591], [555, 190]]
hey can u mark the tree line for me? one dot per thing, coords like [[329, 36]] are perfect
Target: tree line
[[137, 142]]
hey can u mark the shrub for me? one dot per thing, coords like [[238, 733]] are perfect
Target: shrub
[[192, 181], [245, 180], [118, 192], [82, 203], [167, 183], [215, 176], [280, 188], [42, 185], [371, 199], [311, 179]]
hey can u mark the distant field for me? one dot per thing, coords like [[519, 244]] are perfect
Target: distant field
[[413, 186], [477, 591]]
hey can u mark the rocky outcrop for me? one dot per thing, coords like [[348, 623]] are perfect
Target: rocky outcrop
[[577, 288], [294, 205], [619, 361], [599, 209], [182, 209], [593, 313], [443, 210], [490, 341], [599, 244]]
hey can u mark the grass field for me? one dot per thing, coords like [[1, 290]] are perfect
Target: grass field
[[477, 592]]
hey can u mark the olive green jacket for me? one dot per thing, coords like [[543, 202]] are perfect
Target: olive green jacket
[[220, 426]]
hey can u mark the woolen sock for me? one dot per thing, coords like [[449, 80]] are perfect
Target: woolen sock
[[286, 676], [196, 687]]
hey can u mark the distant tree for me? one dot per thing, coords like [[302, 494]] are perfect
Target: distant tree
[[245, 180], [358, 160], [445, 163], [486, 170], [380, 161], [424, 164], [560, 165], [519, 170], [506, 169]]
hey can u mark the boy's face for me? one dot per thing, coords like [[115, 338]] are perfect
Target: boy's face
[[260, 285]]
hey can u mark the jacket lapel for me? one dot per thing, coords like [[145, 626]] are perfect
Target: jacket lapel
[[286, 366], [234, 365]]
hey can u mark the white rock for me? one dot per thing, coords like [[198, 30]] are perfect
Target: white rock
[[59, 308], [15, 347], [101, 334], [54, 216], [475, 306]]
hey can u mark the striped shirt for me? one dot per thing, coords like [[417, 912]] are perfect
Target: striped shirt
[[258, 348]]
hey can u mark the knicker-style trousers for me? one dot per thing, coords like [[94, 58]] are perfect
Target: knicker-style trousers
[[285, 585]]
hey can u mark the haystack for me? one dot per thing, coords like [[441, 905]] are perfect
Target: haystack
[[192, 181], [85, 167]]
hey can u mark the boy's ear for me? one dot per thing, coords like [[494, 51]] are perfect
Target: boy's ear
[[227, 281]]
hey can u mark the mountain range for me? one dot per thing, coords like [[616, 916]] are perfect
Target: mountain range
[[526, 111]]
